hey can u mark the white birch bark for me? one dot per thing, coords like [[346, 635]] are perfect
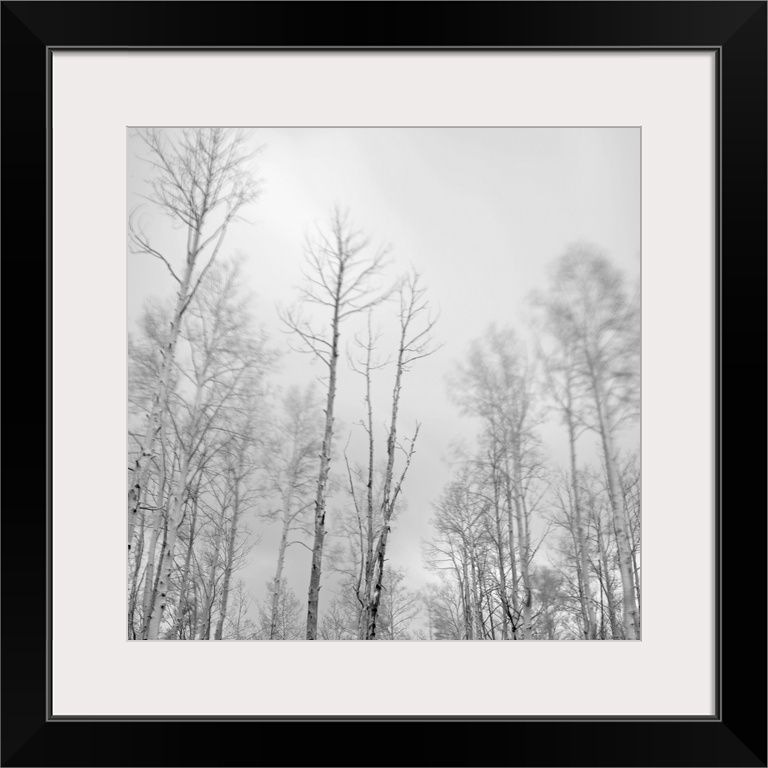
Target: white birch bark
[[313, 596], [195, 176]]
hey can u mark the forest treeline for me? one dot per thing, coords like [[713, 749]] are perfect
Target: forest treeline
[[526, 543]]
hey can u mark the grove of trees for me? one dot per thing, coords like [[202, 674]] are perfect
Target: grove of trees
[[536, 532]]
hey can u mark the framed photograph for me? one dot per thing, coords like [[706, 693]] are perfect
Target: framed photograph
[[392, 339]]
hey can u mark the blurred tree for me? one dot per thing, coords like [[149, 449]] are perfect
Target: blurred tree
[[591, 314]]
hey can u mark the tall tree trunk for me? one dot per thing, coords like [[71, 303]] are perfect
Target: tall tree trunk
[[193, 619], [512, 555], [607, 583], [135, 581], [365, 590], [156, 419], [152, 619], [373, 605], [388, 506], [409, 349], [150, 580], [635, 575], [466, 597], [313, 597], [630, 613], [500, 554], [157, 518], [164, 584], [632, 550], [522, 533], [583, 554], [602, 602], [579, 581], [477, 618], [484, 594], [387, 503]]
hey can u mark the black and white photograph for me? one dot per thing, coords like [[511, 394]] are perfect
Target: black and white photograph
[[388, 335], [383, 383]]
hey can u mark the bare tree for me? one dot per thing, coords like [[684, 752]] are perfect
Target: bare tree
[[342, 280], [460, 546], [590, 312], [415, 341], [561, 381], [367, 513], [598, 507], [630, 486], [496, 385], [227, 359], [567, 513], [145, 360], [201, 182]]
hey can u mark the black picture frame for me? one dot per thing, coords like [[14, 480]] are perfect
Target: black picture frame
[[736, 735]]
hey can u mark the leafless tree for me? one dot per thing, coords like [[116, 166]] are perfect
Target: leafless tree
[[562, 386], [343, 280], [460, 546], [225, 359], [496, 384], [200, 180], [415, 342], [591, 313]]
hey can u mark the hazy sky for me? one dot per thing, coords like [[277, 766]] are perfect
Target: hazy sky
[[479, 212]]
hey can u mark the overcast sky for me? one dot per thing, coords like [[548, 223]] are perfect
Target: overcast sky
[[479, 212]]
